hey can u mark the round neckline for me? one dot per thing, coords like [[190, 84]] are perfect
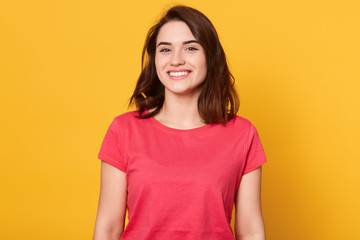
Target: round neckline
[[177, 130]]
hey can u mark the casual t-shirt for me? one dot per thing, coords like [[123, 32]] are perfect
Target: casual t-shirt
[[181, 183]]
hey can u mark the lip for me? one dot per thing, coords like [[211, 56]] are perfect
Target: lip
[[179, 77]]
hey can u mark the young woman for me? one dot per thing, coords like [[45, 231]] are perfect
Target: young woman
[[183, 158]]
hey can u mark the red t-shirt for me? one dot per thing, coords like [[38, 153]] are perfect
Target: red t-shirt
[[181, 183]]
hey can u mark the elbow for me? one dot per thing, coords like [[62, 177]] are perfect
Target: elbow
[[254, 231], [107, 233], [251, 236]]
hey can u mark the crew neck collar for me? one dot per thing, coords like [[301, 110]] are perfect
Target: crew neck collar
[[177, 130]]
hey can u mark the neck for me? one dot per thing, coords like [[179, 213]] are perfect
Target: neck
[[180, 111]]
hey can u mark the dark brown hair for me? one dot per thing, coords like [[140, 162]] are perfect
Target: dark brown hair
[[218, 101]]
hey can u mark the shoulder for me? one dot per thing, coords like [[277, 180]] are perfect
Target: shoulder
[[249, 128], [240, 122], [127, 116], [130, 120], [124, 119], [243, 126]]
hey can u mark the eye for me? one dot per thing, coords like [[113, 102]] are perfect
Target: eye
[[191, 49], [165, 50]]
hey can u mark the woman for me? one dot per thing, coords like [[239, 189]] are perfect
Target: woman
[[182, 160]]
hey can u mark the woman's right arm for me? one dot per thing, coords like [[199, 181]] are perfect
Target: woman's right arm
[[110, 219]]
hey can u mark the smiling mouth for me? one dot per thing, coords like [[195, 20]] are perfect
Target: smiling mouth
[[179, 73]]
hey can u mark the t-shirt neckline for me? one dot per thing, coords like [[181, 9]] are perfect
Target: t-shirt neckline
[[177, 130]]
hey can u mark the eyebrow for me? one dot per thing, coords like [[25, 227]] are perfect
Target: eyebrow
[[184, 43]]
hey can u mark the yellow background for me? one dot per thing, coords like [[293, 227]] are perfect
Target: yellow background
[[68, 67]]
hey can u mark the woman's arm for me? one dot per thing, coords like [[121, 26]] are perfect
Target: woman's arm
[[110, 218], [249, 223]]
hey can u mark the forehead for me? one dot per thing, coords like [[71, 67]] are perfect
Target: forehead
[[174, 31]]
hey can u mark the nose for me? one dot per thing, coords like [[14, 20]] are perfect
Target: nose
[[177, 58]]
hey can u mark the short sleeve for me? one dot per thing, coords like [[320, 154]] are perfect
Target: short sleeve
[[110, 148], [255, 156]]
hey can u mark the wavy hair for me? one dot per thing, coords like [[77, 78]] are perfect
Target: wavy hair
[[218, 101]]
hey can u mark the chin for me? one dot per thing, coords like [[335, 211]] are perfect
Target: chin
[[183, 92]]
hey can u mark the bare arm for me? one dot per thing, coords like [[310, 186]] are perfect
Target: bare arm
[[110, 219], [249, 223]]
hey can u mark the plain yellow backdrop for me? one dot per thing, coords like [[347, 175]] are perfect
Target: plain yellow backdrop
[[68, 67]]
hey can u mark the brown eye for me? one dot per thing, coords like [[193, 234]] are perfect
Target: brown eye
[[165, 50], [191, 49]]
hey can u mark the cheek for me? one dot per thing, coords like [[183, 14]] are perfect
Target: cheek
[[160, 61], [203, 66], [199, 61], [159, 66]]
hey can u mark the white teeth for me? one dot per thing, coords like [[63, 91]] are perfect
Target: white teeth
[[178, 74]]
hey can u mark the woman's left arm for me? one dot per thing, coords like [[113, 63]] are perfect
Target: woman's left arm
[[249, 222]]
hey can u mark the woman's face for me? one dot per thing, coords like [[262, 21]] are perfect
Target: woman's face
[[179, 59]]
